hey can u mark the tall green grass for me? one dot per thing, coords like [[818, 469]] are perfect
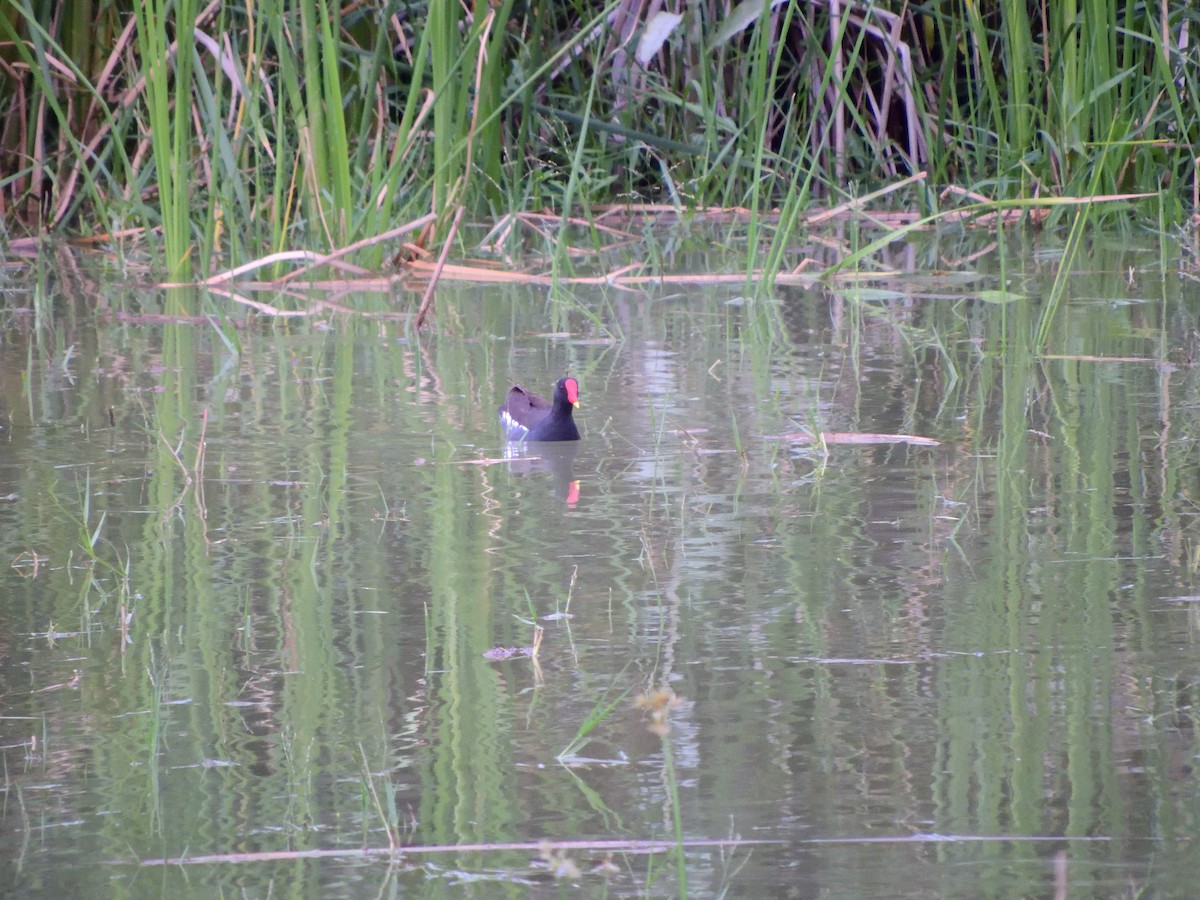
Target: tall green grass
[[167, 73], [228, 132]]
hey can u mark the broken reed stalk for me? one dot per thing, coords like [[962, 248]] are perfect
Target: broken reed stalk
[[435, 276]]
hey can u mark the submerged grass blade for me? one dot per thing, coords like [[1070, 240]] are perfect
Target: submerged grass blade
[[592, 720]]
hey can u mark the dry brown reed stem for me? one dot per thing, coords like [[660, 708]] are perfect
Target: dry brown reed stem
[[1196, 189], [198, 475], [629, 846], [545, 223], [67, 195], [853, 438], [839, 79], [436, 274], [315, 260], [859, 202], [187, 476], [265, 309], [127, 99], [982, 213]]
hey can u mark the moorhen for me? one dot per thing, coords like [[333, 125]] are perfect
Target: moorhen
[[528, 417]]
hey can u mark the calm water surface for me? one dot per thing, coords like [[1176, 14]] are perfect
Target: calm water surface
[[882, 669]]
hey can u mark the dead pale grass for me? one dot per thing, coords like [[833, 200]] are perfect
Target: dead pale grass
[[319, 281]]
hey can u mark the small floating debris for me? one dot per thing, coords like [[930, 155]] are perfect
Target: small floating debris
[[853, 437], [499, 654]]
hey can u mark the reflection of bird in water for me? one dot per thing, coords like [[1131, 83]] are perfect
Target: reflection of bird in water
[[557, 459]]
